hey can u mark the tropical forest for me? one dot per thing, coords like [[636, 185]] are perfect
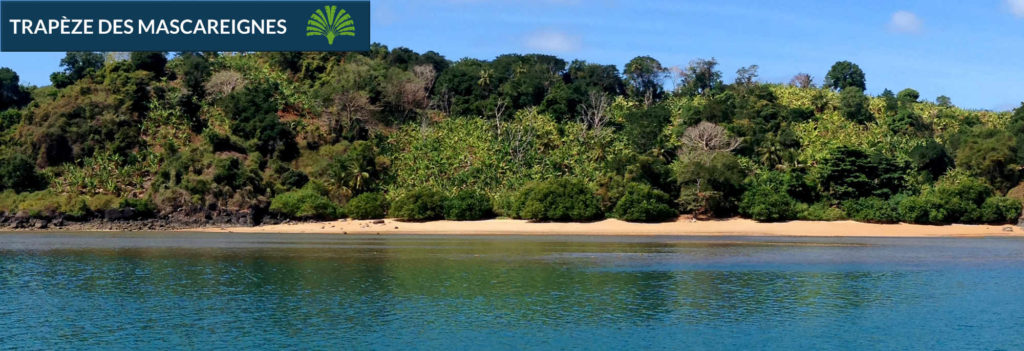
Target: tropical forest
[[194, 138]]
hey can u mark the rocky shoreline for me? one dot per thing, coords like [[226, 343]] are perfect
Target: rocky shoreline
[[128, 219]]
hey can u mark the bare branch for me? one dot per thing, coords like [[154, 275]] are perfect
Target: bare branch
[[593, 112], [707, 136]]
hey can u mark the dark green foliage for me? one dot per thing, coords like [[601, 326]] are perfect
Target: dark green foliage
[[230, 172], [845, 74], [891, 104], [643, 203], [144, 208], [710, 184], [9, 119], [149, 61], [768, 198], [423, 204], [643, 127], [873, 209], [18, 173], [853, 105], [954, 201], [931, 158], [294, 179], [468, 205], [906, 122], [194, 71], [560, 200], [908, 96], [11, 92], [310, 202], [367, 206], [1016, 127], [76, 65], [992, 154], [849, 173], [944, 101], [1000, 210], [701, 78], [643, 76], [255, 114]]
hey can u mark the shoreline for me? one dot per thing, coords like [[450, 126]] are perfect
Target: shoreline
[[613, 227]]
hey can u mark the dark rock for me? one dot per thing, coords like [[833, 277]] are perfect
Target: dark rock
[[39, 223], [378, 221]]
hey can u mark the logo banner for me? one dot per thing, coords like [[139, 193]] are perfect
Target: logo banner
[[184, 25]]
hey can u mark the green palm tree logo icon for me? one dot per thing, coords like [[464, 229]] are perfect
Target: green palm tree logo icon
[[331, 23]]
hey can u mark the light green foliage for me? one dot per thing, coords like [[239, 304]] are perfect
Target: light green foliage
[[308, 202], [367, 206], [820, 211], [422, 204], [474, 153]]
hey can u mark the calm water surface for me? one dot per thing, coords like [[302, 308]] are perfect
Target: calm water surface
[[254, 291]]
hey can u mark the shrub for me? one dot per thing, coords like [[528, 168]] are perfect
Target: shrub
[[873, 210], [46, 203], [229, 171], [18, 173], [998, 209], [468, 205], [102, 202], [294, 179], [307, 203], [820, 212], [9, 201], [422, 204], [560, 200], [767, 205], [643, 203], [143, 207], [768, 199], [508, 204], [367, 206], [953, 200]]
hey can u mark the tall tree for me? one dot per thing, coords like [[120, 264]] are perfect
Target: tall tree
[[644, 77], [11, 93], [845, 74], [701, 77], [149, 61], [76, 65], [802, 80]]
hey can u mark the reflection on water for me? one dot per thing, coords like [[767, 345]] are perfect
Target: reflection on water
[[213, 291]]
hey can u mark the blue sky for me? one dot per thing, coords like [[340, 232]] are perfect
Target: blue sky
[[968, 50]]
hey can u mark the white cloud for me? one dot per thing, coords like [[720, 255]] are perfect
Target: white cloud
[[907, 22], [549, 41], [1016, 7]]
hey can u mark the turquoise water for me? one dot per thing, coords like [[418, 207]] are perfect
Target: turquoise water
[[229, 291]]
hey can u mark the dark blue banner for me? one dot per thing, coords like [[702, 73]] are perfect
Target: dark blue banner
[[185, 25]]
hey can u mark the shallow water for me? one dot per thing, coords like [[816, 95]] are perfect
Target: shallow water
[[293, 291]]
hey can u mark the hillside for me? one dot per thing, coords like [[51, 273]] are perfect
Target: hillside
[[204, 138]]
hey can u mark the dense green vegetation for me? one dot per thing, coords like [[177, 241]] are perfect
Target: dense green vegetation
[[396, 133]]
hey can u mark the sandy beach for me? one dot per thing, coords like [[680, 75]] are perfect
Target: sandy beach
[[617, 227]]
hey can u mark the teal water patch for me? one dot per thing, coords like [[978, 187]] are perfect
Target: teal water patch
[[264, 291]]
